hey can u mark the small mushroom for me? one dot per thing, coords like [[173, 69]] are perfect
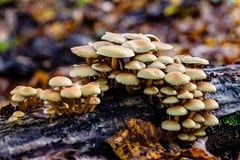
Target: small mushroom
[[170, 126], [156, 64], [132, 36], [128, 79], [99, 44], [134, 65], [184, 95], [12, 119], [195, 74], [210, 120], [199, 133], [60, 81], [170, 100], [194, 61], [150, 91], [19, 115], [168, 91], [162, 46], [145, 57], [50, 112], [197, 94], [194, 105], [177, 111], [104, 88], [175, 67], [192, 137], [189, 86], [20, 100], [16, 90], [210, 104], [183, 137], [102, 68], [198, 118], [176, 78], [93, 102], [139, 45], [114, 37], [188, 123], [206, 87], [112, 76], [152, 37], [29, 93], [165, 60]]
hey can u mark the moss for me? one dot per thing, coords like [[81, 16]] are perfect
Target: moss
[[232, 120]]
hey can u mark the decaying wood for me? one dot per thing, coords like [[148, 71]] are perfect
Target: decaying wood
[[85, 135]]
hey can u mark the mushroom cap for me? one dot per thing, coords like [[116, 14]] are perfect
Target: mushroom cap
[[50, 95], [101, 67], [189, 86], [160, 95], [175, 67], [90, 89], [136, 36], [194, 105], [150, 73], [27, 91], [12, 119], [170, 100], [99, 44], [197, 94], [198, 118], [49, 111], [104, 87], [135, 65], [18, 114], [16, 90], [177, 111], [71, 92], [176, 78], [17, 98], [200, 133], [82, 70], [114, 74], [86, 51], [115, 51], [146, 57], [150, 90], [170, 125], [101, 81], [168, 91], [114, 37], [156, 64], [152, 37], [192, 137], [139, 45], [127, 79], [188, 123], [183, 136], [94, 100], [210, 104], [184, 94], [165, 59], [198, 126], [196, 74], [60, 81], [158, 82], [162, 46], [194, 60], [39, 90], [211, 120], [206, 87]]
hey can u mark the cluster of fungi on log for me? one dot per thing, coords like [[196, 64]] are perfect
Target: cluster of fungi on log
[[132, 61]]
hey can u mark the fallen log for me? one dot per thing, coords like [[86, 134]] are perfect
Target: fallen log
[[75, 136]]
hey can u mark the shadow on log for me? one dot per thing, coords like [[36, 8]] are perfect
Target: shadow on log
[[75, 136]]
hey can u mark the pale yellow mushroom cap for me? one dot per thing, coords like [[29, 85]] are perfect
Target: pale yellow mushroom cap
[[210, 104], [150, 73], [192, 137], [134, 65], [114, 37], [49, 111], [170, 125], [183, 136], [101, 67], [139, 45], [86, 51], [50, 95], [198, 118], [27, 91], [194, 105], [82, 70], [12, 119], [18, 114], [114, 74], [104, 87], [189, 86], [184, 94], [196, 74], [39, 90], [17, 98], [146, 57], [197, 94], [188, 123], [194, 60], [152, 37], [115, 51], [165, 59], [199, 133], [176, 78], [198, 126], [16, 90], [157, 64], [211, 120], [101, 81], [162, 46], [168, 91], [150, 90], [90, 89], [99, 44], [60, 81], [206, 87], [170, 100], [136, 36], [175, 67], [94, 100], [127, 79], [177, 111], [71, 92]]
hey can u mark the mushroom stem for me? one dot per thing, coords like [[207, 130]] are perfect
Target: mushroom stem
[[149, 83], [85, 80], [191, 114], [205, 113], [86, 103], [176, 118], [92, 108], [128, 89], [170, 136], [89, 61], [151, 99], [114, 63], [50, 119], [19, 121]]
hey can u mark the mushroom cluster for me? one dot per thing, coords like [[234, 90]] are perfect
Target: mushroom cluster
[[132, 61]]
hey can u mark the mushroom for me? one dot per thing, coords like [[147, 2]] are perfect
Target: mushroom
[[177, 111], [156, 64], [198, 118], [29, 93], [150, 91], [210, 104], [145, 57], [19, 115], [194, 105], [20, 100], [168, 91], [139, 45], [206, 87], [86, 51], [60, 81], [188, 123], [184, 95], [93, 102], [114, 37], [104, 88], [199, 133], [162, 46], [194, 61], [210, 120], [12, 119], [176, 78], [50, 112], [132, 36], [127, 79], [170, 126], [102, 68], [192, 137], [99, 44], [152, 37], [150, 74], [183, 137], [16, 90], [165, 60], [175, 67], [112, 77], [197, 94], [170, 100], [189, 86], [84, 71], [195, 74], [115, 52], [134, 65]]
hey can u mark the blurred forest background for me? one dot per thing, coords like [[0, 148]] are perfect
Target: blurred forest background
[[36, 36]]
